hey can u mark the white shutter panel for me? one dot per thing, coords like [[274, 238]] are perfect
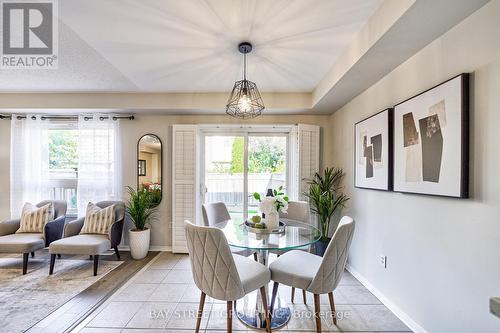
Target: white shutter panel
[[308, 155], [184, 182]]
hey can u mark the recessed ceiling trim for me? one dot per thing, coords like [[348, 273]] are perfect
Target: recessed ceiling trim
[[147, 101]]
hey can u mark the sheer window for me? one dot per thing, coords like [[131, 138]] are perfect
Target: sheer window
[[63, 164], [76, 161]]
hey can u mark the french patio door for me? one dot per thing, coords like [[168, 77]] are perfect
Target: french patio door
[[235, 165]]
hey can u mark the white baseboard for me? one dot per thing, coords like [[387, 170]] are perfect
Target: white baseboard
[[152, 248], [387, 302]]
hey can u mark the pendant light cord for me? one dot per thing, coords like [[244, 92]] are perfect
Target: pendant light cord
[[244, 66]]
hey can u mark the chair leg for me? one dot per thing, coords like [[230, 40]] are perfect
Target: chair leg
[[317, 313], [117, 252], [25, 262], [59, 255], [200, 311], [32, 254], [229, 328], [273, 297], [293, 293], [52, 262], [304, 296], [263, 295], [255, 257], [96, 262], [332, 307]]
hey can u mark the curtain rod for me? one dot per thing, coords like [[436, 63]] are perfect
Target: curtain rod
[[55, 117]]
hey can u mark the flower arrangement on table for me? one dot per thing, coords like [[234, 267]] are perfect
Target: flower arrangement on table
[[271, 207]]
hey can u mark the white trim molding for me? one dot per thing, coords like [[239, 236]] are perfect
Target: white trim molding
[[386, 301]]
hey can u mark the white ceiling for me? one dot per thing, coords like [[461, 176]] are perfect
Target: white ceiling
[[191, 45], [180, 56]]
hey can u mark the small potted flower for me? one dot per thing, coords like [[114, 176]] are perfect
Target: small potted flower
[[271, 206], [155, 190], [141, 210]]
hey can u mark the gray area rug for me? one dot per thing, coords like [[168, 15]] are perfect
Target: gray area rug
[[26, 299]]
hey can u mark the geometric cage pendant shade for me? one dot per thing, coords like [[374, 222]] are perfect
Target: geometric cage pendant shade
[[245, 101]]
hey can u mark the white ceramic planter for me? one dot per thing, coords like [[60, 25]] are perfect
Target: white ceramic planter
[[139, 243]]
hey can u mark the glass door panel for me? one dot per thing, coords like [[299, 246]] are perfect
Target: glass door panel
[[224, 172], [267, 166]]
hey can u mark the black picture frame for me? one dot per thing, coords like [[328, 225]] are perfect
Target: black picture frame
[[464, 137], [388, 149], [141, 168]]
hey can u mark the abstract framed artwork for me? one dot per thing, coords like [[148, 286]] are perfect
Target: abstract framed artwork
[[373, 152], [431, 141]]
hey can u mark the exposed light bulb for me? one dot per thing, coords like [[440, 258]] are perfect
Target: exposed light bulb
[[244, 103]]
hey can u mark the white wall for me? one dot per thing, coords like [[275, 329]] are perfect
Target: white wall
[[443, 254]]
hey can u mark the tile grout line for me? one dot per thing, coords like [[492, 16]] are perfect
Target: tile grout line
[[101, 306]]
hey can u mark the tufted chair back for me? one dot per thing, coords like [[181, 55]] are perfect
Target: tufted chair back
[[60, 207], [298, 211], [212, 264], [214, 213], [330, 272]]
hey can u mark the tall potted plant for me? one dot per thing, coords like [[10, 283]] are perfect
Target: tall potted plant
[[326, 197], [141, 210]]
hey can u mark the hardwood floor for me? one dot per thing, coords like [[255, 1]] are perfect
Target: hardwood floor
[[68, 316]]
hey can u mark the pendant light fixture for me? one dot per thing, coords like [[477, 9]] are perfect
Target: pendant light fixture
[[245, 101]]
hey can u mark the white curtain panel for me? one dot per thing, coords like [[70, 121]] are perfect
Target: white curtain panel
[[29, 162], [99, 161]]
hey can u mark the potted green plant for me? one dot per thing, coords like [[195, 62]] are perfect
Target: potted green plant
[[326, 197], [141, 212]]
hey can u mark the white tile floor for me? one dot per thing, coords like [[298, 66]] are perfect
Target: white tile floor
[[163, 298]]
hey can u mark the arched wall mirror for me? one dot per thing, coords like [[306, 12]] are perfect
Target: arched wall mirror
[[149, 165]]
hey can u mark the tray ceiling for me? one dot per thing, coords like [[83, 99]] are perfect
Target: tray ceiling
[[191, 45]]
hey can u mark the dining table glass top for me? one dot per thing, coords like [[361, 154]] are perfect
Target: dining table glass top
[[297, 234]]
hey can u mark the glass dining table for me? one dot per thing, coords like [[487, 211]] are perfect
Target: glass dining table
[[295, 235]]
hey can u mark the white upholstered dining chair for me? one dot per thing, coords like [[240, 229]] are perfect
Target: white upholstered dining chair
[[217, 212], [318, 275], [297, 211], [220, 274]]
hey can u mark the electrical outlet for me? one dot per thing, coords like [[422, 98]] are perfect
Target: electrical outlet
[[383, 261]]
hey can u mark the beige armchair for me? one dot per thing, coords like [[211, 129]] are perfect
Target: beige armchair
[[27, 243], [89, 244]]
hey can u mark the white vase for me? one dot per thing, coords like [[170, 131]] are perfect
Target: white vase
[[272, 220], [139, 243]]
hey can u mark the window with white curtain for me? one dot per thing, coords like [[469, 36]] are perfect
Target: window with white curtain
[[63, 163], [99, 161], [76, 161]]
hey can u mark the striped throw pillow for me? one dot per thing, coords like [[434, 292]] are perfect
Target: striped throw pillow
[[98, 220], [34, 219]]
